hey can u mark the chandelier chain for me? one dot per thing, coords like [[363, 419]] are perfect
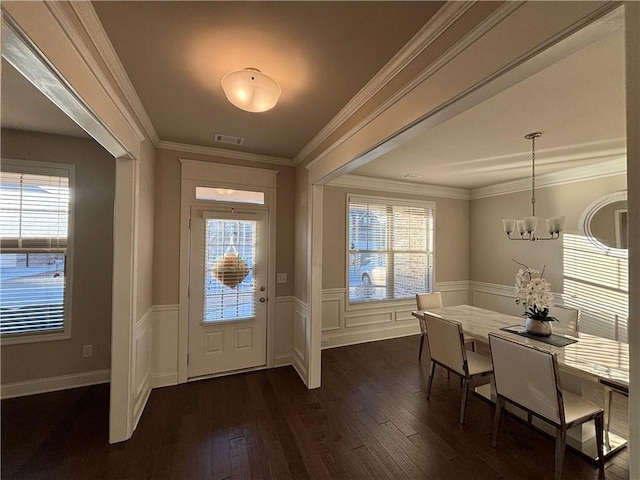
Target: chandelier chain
[[533, 176]]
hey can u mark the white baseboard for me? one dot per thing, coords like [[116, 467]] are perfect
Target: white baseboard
[[52, 384], [344, 339], [164, 379], [283, 360]]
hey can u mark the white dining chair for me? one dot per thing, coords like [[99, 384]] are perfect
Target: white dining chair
[[426, 301], [447, 349], [568, 320], [527, 377]]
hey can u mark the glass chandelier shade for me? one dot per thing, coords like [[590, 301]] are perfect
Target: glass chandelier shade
[[251, 90]]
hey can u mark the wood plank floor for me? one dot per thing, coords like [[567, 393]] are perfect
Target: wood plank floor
[[370, 419]]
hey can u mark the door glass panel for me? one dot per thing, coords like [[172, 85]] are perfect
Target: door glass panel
[[230, 252]]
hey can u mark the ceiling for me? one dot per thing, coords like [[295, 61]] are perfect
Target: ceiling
[[323, 54]]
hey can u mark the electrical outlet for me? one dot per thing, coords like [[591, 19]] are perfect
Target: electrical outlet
[[281, 278], [87, 351]]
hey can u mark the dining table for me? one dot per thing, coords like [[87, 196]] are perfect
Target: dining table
[[585, 357]]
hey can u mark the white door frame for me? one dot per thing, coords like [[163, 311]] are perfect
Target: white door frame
[[197, 173]]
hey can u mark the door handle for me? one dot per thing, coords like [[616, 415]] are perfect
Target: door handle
[[262, 299]]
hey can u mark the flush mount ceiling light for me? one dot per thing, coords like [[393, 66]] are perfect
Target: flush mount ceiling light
[[251, 90], [527, 226]]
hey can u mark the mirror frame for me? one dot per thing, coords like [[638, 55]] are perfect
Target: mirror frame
[[585, 222]]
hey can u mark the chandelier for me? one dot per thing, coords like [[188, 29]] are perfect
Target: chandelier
[[525, 228]]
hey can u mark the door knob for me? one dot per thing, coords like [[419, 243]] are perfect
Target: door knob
[[262, 299]]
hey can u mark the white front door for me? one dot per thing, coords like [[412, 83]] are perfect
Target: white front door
[[227, 291]]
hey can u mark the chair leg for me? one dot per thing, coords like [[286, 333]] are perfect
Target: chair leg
[[497, 415], [599, 424], [561, 440], [421, 345], [431, 372], [465, 394], [608, 393]]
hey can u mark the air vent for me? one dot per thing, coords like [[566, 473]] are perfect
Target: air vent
[[228, 139]]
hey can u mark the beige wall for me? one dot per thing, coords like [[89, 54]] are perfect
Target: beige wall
[[451, 240], [93, 258], [301, 237], [492, 252], [166, 255], [145, 229]]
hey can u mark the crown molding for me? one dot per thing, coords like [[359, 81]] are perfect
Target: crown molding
[[219, 152], [398, 186], [61, 14], [608, 168], [436, 26], [91, 23], [480, 30]]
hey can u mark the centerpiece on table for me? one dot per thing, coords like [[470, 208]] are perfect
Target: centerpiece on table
[[534, 293]]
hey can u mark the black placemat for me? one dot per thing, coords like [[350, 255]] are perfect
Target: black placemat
[[555, 340]]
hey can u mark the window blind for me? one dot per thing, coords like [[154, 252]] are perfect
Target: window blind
[[34, 222], [390, 248]]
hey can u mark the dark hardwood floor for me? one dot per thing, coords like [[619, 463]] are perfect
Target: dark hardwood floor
[[370, 419]]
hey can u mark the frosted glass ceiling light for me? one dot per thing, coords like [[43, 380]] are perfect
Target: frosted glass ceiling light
[[251, 90], [527, 226]]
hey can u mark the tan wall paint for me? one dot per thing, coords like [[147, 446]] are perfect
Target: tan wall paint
[[301, 239], [451, 241], [145, 229], [166, 255], [93, 258], [492, 252]]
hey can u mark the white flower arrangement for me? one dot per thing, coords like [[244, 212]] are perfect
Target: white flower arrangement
[[534, 293]]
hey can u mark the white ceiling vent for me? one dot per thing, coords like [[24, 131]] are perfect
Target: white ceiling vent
[[228, 139]]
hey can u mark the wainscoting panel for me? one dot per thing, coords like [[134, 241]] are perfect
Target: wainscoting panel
[[300, 334], [164, 369], [283, 341], [142, 357], [344, 324], [369, 318]]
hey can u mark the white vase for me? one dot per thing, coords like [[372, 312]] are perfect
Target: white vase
[[540, 328]]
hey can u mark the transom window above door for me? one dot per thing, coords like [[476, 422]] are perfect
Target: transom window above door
[[218, 194]]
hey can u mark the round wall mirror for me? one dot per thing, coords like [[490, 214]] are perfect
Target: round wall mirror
[[604, 222]]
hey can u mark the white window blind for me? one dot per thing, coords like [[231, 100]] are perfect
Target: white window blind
[[34, 225], [390, 248]]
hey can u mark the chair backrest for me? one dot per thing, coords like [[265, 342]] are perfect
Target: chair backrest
[[568, 319], [446, 343], [425, 301], [527, 376]]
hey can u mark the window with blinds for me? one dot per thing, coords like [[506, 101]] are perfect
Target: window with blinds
[[34, 249], [390, 248]]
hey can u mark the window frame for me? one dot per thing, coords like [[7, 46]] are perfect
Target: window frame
[[59, 170], [363, 198]]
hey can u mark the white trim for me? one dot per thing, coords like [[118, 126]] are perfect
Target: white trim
[[91, 23], [159, 380], [584, 224], [371, 335], [221, 153], [491, 21], [201, 173], [21, 52], [608, 168], [431, 31], [398, 186], [53, 384]]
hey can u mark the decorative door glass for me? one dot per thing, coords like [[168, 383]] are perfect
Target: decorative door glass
[[230, 253]]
